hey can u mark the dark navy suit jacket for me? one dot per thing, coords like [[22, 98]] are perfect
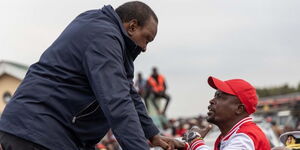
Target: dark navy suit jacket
[[80, 88]]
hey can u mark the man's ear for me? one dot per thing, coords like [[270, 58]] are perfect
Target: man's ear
[[132, 26], [241, 109]]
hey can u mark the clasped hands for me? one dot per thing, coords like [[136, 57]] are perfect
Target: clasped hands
[[168, 143]]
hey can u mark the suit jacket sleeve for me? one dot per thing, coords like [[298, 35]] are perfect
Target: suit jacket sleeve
[[104, 68], [148, 126]]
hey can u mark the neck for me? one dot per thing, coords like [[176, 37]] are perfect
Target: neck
[[228, 124]]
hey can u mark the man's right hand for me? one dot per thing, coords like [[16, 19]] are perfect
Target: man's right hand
[[203, 132]]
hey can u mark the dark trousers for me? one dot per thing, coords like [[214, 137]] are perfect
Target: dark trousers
[[12, 142], [154, 100], [161, 95]]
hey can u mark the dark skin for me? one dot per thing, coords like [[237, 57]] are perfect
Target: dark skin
[[225, 111], [142, 35], [154, 72]]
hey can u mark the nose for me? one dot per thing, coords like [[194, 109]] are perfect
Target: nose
[[212, 101]]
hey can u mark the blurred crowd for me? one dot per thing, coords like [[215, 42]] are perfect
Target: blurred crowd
[[172, 128], [280, 130], [155, 85], [177, 127]]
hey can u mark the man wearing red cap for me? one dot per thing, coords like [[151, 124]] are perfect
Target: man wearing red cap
[[230, 108]]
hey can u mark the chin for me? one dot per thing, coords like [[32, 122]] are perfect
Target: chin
[[210, 119]]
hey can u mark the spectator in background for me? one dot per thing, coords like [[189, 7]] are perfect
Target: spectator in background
[[172, 123], [140, 84], [157, 86], [288, 127], [291, 141], [276, 128], [111, 139], [101, 146], [182, 128]]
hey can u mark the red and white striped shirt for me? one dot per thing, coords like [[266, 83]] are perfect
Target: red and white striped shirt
[[245, 135]]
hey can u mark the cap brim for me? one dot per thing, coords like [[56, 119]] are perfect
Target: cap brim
[[220, 85], [283, 137]]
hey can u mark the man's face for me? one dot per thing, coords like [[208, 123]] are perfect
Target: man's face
[[142, 35], [154, 72], [222, 108]]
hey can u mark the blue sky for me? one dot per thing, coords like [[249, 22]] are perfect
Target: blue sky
[[250, 39]]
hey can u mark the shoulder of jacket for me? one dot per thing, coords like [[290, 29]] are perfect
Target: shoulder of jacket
[[238, 141], [250, 128], [253, 131]]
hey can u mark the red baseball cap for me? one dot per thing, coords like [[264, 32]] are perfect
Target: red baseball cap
[[238, 87]]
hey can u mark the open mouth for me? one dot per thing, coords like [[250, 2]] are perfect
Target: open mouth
[[210, 110], [209, 113]]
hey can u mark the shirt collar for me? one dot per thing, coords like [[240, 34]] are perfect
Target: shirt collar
[[236, 127]]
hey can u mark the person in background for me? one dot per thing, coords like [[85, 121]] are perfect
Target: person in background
[[291, 141], [157, 86], [140, 84], [230, 108], [100, 146], [82, 86], [182, 128], [276, 128]]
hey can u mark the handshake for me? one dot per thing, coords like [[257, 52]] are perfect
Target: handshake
[[195, 132], [170, 144]]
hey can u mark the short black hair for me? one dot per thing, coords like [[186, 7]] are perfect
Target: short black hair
[[136, 10]]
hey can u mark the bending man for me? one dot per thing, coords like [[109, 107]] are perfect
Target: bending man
[[82, 86]]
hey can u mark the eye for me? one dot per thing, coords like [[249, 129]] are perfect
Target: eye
[[217, 95]]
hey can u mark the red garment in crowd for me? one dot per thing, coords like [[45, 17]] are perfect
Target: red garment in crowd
[[180, 132]]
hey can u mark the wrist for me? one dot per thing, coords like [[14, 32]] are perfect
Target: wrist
[[196, 139], [192, 135], [153, 138], [196, 143]]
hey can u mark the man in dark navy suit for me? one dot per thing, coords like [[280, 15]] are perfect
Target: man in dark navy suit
[[82, 86]]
